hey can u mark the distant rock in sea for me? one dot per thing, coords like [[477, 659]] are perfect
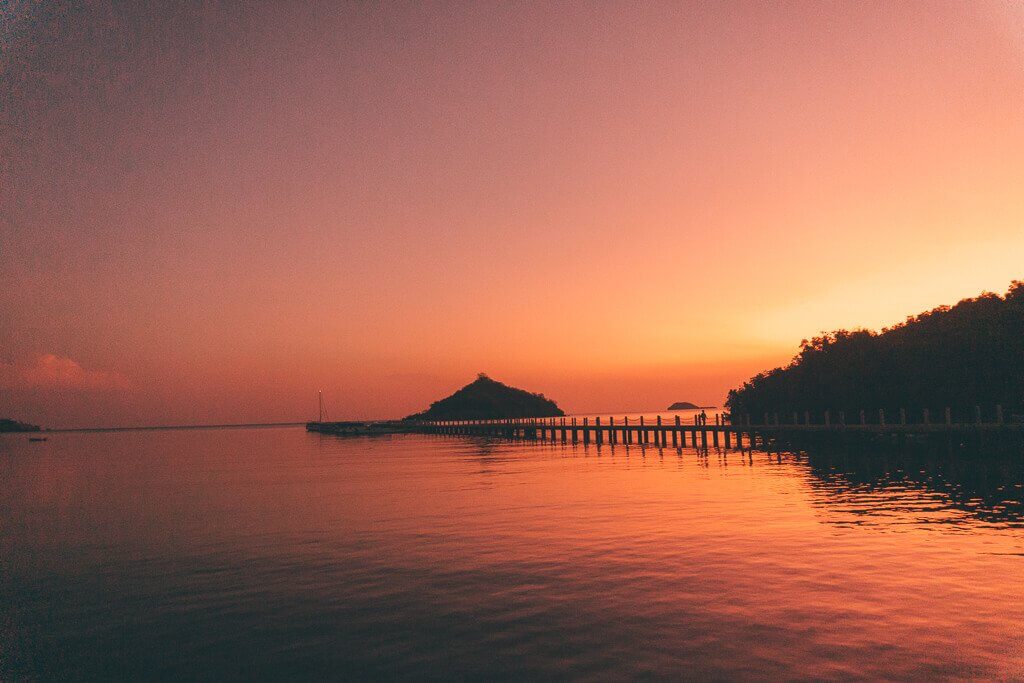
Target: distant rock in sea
[[487, 399], [683, 405], [7, 425]]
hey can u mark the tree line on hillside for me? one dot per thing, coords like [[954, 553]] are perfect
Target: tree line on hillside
[[962, 356]]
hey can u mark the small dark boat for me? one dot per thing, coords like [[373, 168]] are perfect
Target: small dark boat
[[353, 428], [37, 438], [357, 428], [341, 428]]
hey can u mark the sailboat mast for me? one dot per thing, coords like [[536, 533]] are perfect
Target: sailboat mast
[[321, 394]]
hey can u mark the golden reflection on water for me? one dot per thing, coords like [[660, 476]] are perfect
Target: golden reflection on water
[[304, 554]]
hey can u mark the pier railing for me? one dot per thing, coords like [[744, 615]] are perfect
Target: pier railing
[[729, 428], [996, 415]]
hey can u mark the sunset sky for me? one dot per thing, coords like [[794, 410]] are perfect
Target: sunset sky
[[206, 215]]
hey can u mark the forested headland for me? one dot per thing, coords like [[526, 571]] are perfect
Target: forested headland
[[8, 425], [962, 356]]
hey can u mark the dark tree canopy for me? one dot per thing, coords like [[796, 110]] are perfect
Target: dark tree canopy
[[967, 355], [487, 399]]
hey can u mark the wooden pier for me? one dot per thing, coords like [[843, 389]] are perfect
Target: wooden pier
[[721, 432]]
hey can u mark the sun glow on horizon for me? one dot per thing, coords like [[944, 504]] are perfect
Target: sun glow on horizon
[[620, 205]]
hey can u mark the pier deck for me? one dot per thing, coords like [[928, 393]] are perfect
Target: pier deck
[[662, 433]]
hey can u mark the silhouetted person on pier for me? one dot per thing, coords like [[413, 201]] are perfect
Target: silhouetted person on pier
[[703, 418]]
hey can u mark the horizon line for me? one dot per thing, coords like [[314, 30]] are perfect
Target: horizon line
[[157, 427]]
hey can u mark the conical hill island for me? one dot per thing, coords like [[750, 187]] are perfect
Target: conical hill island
[[488, 399]]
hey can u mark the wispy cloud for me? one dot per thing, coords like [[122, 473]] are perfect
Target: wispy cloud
[[50, 371]]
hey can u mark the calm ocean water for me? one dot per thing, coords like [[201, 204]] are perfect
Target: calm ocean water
[[273, 553]]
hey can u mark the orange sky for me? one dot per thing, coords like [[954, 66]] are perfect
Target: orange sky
[[207, 216]]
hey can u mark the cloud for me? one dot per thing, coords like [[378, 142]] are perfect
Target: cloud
[[50, 371]]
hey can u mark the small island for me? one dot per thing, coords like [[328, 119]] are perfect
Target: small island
[[8, 425], [686, 405], [488, 399]]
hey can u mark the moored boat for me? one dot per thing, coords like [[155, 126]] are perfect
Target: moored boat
[[357, 428], [353, 428]]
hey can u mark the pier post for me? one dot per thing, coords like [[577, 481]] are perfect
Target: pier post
[[626, 437], [977, 415], [999, 414], [903, 416], [658, 438], [563, 430], [714, 436], [586, 431], [675, 433], [881, 416], [828, 419], [642, 435], [949, 417], [924, 416], [611, 430], [728, 439], [862, 420], [575, 434]]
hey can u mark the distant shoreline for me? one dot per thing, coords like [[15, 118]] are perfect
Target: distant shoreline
[[176, 427]]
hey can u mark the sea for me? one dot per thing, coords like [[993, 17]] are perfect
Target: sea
[[278, 554]]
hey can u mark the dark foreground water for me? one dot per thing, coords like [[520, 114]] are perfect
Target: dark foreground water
[[273, 553]]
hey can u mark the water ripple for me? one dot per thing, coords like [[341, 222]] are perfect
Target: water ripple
[[277, 553]]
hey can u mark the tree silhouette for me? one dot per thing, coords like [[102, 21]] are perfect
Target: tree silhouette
[[967, 355]]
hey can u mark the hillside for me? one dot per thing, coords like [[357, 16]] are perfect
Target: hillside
[[970, 354], [683, 405], [7, 425], [487, 399]]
